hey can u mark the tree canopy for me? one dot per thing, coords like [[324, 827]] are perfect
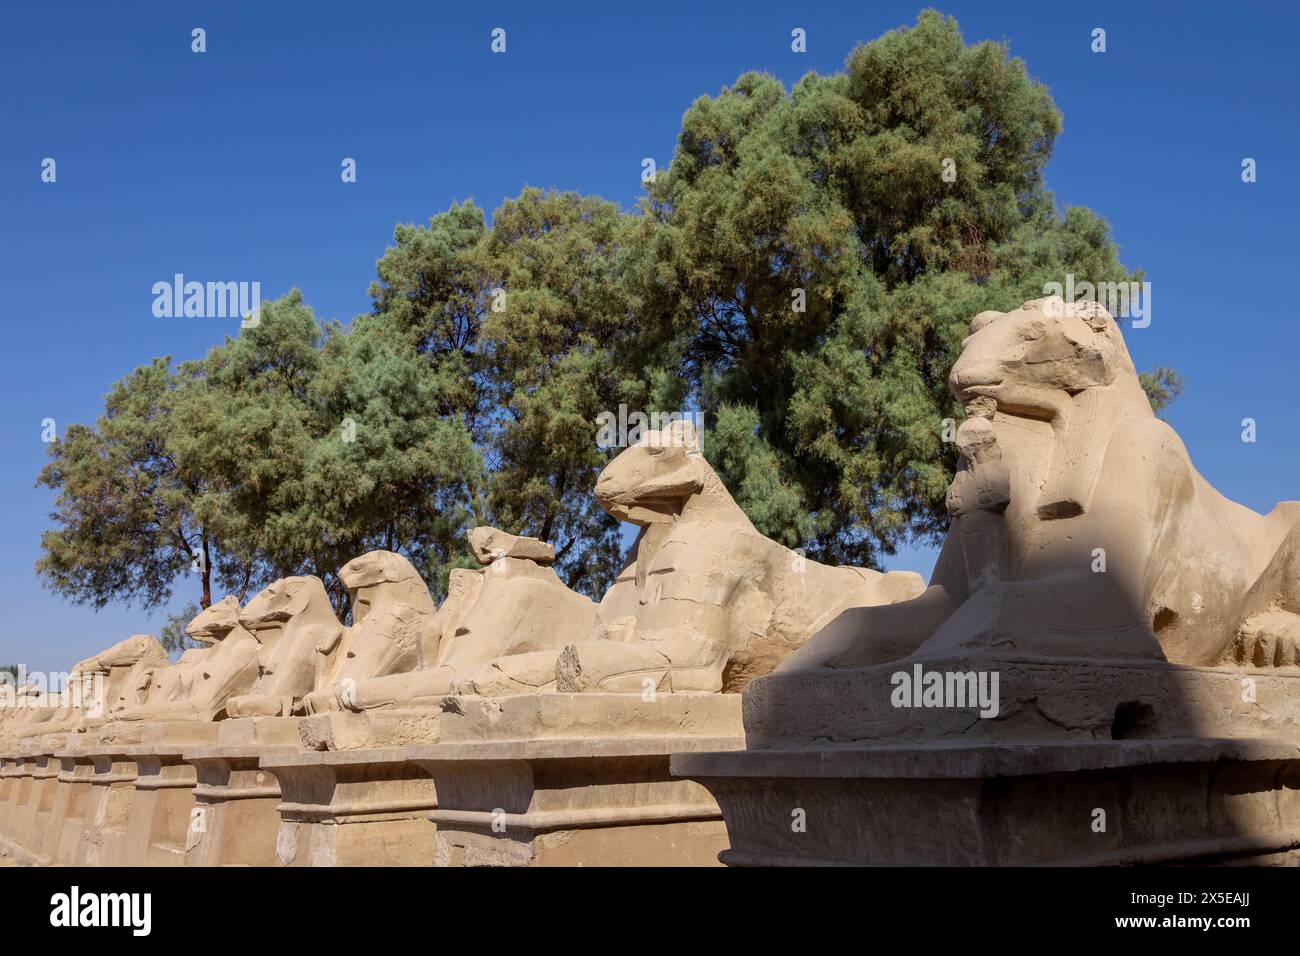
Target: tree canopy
[[803, 273], [818, 272]]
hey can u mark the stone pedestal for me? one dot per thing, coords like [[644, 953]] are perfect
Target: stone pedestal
[[576, 779], [1078, 804], [570, 803], [63, 833], [129, 794], [235, 820], [353, 808], [1079, 763], [29, 824], [29, 782], [16, 779], [1038, 699], [124, 823], [163, 795], [8, 772], [546, 779], [236, 817], [111, 788]]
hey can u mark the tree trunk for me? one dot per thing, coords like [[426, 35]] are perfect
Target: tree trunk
[[206, 602], [548, 524]]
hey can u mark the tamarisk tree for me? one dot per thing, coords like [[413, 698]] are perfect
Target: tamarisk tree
[[803, 273], [815, 257]]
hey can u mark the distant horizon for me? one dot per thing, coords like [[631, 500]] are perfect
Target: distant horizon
[[224, 167]]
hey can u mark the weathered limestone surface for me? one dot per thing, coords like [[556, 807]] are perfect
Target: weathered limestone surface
[[1140, 628], [573, 779], [201, 692], [235, 817], [395, 629], [110, 680], [179, 778], [295, 629], [489, 544], [1102, 670], [352, 808], [706, 602], [551, 779], [499, 632], [1167, 801]]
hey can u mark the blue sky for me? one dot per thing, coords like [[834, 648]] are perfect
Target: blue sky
[[225, 165]]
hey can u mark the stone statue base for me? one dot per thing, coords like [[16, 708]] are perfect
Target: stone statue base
[[1159, 801], [548, 779], [1136, 764], [1047, 699], [123, 794]]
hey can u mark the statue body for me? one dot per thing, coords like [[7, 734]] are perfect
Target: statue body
[[208, 681], [393, 629], [169, 682], [97, 685], [707, 602], [292, 620], [27, 700], [1109, 544], [498, 633]]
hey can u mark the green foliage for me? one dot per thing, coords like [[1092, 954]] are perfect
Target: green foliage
[[292, 448], [803, 272], [829, 419], [287, 450], [172, 636], [557, 354], [519, 331], [1162, 385], [125, 517]]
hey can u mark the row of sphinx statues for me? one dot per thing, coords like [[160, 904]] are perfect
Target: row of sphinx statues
[[705, 604], [1079, 530]]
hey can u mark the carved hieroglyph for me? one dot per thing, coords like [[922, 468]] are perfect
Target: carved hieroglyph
[[707, 602], [1080, 528]]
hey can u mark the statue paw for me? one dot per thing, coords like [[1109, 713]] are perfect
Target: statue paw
[[1268, 639], [610, 667]]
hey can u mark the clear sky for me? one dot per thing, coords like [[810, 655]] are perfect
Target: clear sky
[[225, 166]]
